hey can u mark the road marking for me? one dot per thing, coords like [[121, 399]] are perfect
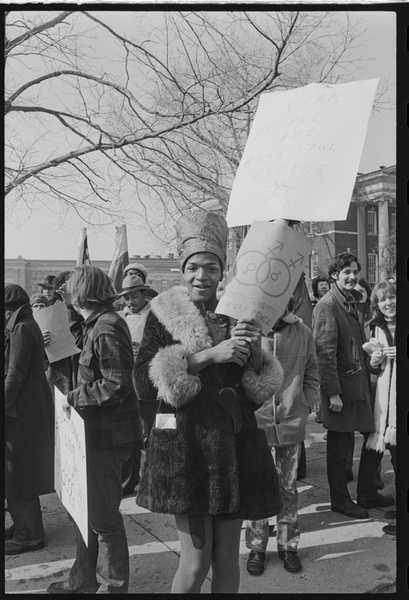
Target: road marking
[[338, 554]]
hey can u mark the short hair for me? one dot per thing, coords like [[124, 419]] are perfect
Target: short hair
[[89, 286], [316, 281], [390, 289], [340, 261]]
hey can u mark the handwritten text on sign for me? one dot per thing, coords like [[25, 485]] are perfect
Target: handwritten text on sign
[[266, 272], [302, 154], [70, 471]]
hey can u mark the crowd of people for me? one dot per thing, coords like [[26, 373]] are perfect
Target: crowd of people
[[200, 413]]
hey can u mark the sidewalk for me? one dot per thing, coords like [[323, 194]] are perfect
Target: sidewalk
[[339, 555]]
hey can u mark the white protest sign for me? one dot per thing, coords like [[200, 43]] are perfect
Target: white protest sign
[[265, 274], [302, 154], [70, 469], [55, 319]]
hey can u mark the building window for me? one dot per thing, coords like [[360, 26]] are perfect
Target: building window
[[372, 268], [372, 224], [393, 223], [313, 265]]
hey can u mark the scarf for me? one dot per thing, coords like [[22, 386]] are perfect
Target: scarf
[[385, 402]]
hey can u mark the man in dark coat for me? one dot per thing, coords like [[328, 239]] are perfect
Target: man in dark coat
[[344, 378], [29, 424]]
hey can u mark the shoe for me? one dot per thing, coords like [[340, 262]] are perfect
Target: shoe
[[390, 514], [9, 532], [255, 562], [390, 528], [377, 501], [62, 587], [291, 561], [379, 484], [350, 476], [350, 509], [14, 548]]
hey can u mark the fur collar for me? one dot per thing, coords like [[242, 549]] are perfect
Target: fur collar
[[182, 319]]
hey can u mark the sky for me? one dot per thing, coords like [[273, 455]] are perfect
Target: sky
[[41, 235]]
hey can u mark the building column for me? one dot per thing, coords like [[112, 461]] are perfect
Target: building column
[[383, 218], [361, 230]]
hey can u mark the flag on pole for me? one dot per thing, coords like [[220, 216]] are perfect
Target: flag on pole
[[303, 306], [120, 259], [83, 254]]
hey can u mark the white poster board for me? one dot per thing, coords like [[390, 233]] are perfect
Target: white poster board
[[265, 274], [55, 319], [70, 469], [302, 154]]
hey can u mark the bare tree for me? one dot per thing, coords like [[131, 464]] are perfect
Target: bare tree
[[103, 109]]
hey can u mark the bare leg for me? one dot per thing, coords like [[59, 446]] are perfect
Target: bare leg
[[225, 556], [194, 563]]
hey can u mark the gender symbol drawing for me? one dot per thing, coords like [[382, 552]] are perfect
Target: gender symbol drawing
[[270, 274]]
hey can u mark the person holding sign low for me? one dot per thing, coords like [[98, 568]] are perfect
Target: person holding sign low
[[206, 461], [106, 400]]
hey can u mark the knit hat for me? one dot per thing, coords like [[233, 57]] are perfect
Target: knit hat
[[48, 282], [14, 297], [138, 267], [201, 231], [39, 299], [132, 283]]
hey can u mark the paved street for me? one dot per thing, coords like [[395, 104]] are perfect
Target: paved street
[[339, 555]]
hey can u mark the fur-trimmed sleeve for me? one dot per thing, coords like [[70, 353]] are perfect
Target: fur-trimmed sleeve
[[261, 386], [168, 371]]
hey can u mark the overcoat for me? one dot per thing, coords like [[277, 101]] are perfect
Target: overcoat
[[215, 461], [29, 410], [284, 416], [339, 336]]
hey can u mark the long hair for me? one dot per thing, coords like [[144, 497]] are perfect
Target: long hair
[[316, 281], [89, 286], [390, 290]]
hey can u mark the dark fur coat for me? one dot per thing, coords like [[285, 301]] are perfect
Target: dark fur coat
[[216, 460]]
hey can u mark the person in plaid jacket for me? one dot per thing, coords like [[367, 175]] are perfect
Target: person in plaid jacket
[[106, 400]]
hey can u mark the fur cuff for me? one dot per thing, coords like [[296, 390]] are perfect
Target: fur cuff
[[259, 387], [168, 373]]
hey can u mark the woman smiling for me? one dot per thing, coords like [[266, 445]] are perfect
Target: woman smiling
[[207, 462]]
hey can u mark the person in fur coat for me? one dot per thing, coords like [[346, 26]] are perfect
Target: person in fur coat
[[206, 461], [382, 351]]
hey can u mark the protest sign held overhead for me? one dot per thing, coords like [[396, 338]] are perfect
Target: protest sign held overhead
[[267, 269], [302, 154], [70, 470]]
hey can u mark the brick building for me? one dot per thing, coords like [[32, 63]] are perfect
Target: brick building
[[368, 231]]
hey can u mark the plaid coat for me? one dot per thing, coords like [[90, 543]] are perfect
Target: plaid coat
[[105, 397]]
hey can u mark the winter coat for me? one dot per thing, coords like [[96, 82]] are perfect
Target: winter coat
[[215, 460], [385, 394], [29, 410], [284, 416], [342, 367], [105, 397]]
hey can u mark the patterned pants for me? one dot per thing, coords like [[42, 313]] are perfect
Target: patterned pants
[[288, 530]]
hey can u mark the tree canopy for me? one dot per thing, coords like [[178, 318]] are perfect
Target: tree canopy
[[115, 113]]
